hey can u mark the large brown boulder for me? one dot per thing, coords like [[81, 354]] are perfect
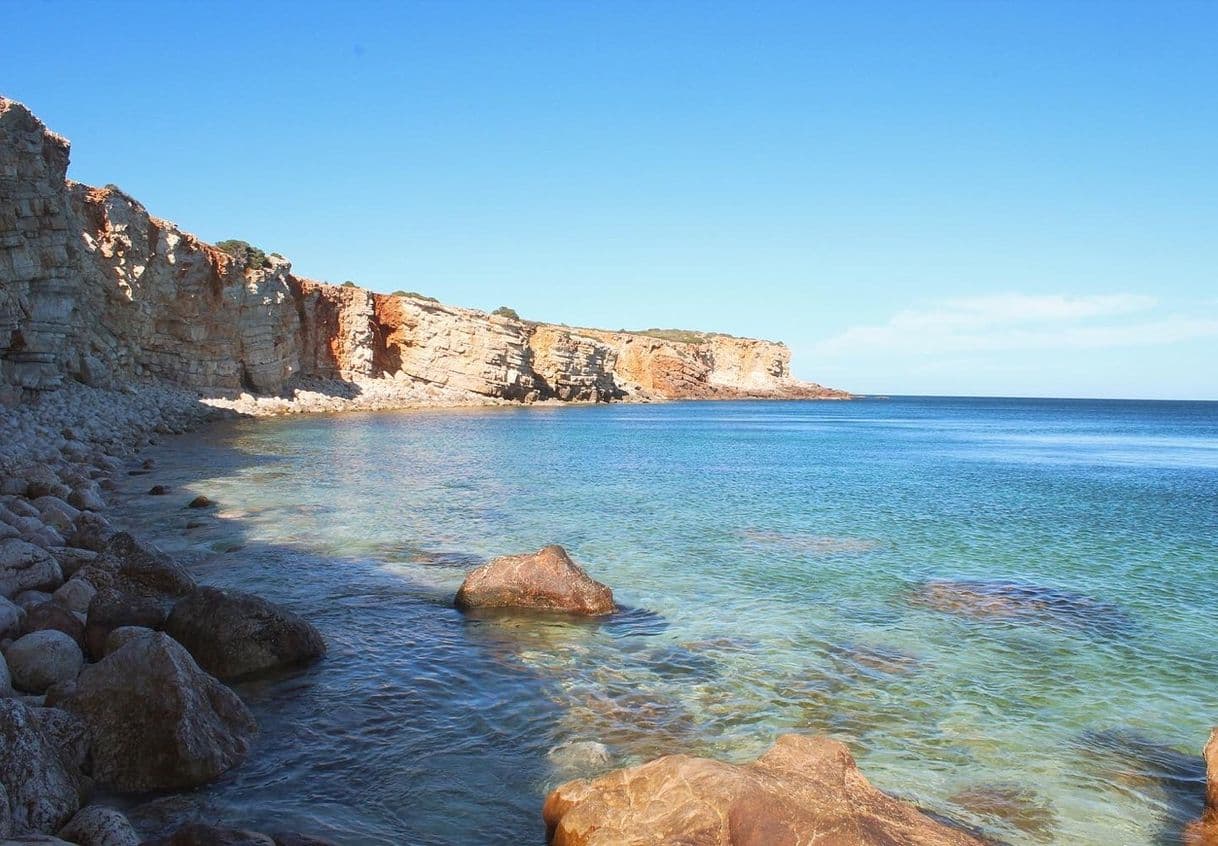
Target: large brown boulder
[[111, 609], [158, 722], [233, 634], [24, 566], [546, 580], [803, 790]]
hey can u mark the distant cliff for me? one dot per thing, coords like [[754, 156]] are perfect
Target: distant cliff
[[94, 288]]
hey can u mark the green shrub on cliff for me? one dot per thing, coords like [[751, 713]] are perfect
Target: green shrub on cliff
[[415, 295], [504, 311], [349, 284], [244, 251]]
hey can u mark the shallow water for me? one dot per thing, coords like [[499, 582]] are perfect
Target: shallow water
[[1005, 607]]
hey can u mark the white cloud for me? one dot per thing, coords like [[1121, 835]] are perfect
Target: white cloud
[[1021, 322]]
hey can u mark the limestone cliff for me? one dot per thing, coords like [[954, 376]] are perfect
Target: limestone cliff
[[94, 288]]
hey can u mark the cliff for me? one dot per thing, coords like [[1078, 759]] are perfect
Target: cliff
[[96, 289]]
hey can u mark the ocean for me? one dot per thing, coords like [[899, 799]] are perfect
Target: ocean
[[1006, 608]]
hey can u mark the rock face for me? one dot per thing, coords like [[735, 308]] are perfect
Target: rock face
[[42, 793], [232, 634], [803, 790], [158, 722], [99, 290], [546, 580]]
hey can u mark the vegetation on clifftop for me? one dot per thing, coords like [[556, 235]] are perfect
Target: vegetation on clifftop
[[504, 311], [243, 251], [414, 295]]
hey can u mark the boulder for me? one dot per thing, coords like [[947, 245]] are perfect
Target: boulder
[[110, 609], [159, 722], [51, 615], [200, 502], [27, 599], [66, 732], [120, 637], [24, 566], [546, 580], [6, 679], [71, 559], [1204, 832], [99, 826], [75, 595], [87, 498], [158, 490], [233, 634], [803, 790], [42, 793], [12, 616], [138, 568], [93, 532], [41, 659]]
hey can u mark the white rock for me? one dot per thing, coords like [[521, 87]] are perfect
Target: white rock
[[43, 658]]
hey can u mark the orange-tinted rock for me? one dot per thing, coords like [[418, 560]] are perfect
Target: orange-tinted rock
[[1204, 832], [546, 580], [803, 790]]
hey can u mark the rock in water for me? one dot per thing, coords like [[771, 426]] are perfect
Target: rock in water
[[43, 658], [158, 721], [1204, 832], [42, 793], [803, 790], [199, 834], [24, 566], [98, 826], [233, 634], [546, 580]]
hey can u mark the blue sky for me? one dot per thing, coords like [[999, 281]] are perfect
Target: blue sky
[[967, 197]]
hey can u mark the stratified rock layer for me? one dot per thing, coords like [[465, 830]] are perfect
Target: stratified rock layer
[[804, 790], [96, 289]]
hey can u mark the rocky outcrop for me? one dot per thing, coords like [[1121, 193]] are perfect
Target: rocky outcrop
[[803, 790], [546, 580], [1204, 832], [96, 289], [234, 635]]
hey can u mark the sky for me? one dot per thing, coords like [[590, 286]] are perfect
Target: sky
[[965, 198]]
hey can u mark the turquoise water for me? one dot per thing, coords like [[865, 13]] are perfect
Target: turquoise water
[[775, 559]]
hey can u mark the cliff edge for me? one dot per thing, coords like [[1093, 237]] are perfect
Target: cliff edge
[[95, 289]]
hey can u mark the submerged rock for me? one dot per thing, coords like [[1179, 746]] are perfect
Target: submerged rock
[[803, 790], [199, 834], [42, 794], [158, 721], [1021, 602], [233, 634], [1010, 804], [200, 502], [547, 580]]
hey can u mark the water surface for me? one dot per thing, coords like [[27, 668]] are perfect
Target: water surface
[[1004, 607]]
